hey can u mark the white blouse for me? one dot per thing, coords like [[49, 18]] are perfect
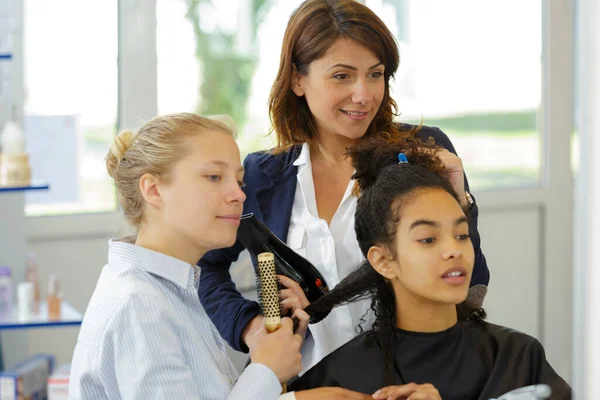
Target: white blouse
[[335, 252]]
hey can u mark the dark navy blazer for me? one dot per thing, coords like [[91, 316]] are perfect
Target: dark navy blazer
[[270, 189]]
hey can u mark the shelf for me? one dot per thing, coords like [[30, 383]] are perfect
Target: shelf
[[32, 186], [69, 316]]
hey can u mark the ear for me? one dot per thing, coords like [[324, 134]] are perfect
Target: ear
[[150, 191], [381, 259], [297, 81]]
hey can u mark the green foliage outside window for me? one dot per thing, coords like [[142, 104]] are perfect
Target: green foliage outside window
[[226, 74]]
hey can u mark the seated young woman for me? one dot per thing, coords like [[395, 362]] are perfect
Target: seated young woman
[[427, 342]]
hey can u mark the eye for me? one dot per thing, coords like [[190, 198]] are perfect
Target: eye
[[376, 74], [427, 240], [214, 178], [242, 184], [342, 76], [463, 237]]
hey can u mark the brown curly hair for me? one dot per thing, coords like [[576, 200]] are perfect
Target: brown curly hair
[[311, 30]]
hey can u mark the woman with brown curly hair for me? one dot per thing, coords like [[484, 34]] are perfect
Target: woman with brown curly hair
[[426, 339], [332, 91]]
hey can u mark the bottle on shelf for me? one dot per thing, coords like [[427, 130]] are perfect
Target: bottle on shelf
[[25, 301], [5, 293], [54, 298], [32, 274], [14, 161]]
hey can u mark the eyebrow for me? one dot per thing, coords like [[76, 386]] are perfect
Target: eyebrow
[[434, 224], [223, 164], [353, 68]]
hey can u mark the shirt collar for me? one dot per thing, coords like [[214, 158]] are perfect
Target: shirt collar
[[123, 250], [304, 157]]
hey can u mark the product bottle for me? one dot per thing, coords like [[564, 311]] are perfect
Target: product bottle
[[13, 140], [5, 293], [54, 298], [257, 238], [32, 275], [25, 301], [15, 168]]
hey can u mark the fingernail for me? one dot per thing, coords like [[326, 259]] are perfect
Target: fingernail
[[377, 393]]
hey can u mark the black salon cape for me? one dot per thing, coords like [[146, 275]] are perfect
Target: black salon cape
[[471, 360]]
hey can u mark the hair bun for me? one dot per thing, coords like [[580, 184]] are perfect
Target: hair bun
[[120, 145], [373, 154]]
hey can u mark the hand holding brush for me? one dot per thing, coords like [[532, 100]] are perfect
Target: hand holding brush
[[280, 349]]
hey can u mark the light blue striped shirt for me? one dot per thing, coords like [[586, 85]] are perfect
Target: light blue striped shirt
[[146, 336]]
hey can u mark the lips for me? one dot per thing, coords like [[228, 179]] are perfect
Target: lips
[[233, 219], [355, 113], [231, 216], [455, 276], [455, 272]]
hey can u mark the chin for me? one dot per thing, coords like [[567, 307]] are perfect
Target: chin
[[459, 298], [226, 243], [221, 243], [352, 135], [456, 296]]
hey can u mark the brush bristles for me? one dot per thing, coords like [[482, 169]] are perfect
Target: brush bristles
[[268, 291]]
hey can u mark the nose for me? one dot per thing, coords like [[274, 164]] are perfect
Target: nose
[[362, 92], [237, 194], [452, 253]]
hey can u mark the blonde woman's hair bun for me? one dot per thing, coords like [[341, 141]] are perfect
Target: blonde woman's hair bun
[[120, 145]]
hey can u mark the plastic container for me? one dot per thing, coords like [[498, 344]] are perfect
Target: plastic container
[[13, 139], [54, 298], [5, 293], [14, 162], [32, 274], [25, 300], [15, 169]]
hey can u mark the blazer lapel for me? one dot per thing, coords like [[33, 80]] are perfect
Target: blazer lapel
[[275, 199]]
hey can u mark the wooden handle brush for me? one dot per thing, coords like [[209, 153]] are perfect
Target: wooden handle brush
[[268, 294]]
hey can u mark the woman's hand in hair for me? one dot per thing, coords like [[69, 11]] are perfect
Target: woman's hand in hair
[[410, 391], [454, 172], [330, 393], [292, 297]]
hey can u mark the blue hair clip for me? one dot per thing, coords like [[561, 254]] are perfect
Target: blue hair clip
[[402, 158]]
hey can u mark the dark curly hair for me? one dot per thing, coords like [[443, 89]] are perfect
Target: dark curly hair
[[385, 187]]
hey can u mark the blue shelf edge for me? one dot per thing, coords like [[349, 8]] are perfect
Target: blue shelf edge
[[69, 317], [39, 325], [33, 186]]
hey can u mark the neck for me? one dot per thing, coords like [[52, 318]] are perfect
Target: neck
[[417, 314], [331, 148], [161, 239]]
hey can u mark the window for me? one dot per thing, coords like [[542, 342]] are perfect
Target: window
[[473, 69], [461, 70], [70, 57], [225, 61]]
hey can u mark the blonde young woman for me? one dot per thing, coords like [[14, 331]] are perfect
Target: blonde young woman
[[145, 334]]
